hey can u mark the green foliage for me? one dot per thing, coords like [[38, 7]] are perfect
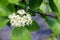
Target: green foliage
[[3, 21], [11, 8], [23, 4], [13, 1], [57, 2], [33, 27], [43, 7], [21, 34], [4, 3], [34, 4], [31, 12], [4, 11], [53, 6], [54, 25]]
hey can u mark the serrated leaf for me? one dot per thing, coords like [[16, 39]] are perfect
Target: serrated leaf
[[3, 21], [20, 34], [34, 4], [33, 27]]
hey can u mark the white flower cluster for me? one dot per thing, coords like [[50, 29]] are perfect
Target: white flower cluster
[[20, 20]]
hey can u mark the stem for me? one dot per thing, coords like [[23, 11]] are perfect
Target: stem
[[45, 14]]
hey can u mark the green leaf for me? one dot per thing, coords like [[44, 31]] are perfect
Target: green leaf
[[4, 2], [33, 27], [34, 4], [4, 11], [32, 13], [13, 1], [53, 6], [22, 4], [11, 8], [20, 34], [57, 2], [43, 7], [3, 21], [54, 25]]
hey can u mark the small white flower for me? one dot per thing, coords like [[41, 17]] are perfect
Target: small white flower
[[21, 12], [28, 16], [12, 16], [18, 20]]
